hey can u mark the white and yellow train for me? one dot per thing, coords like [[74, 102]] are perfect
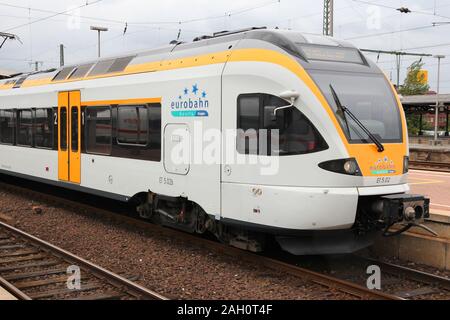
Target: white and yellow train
[[315, 152]]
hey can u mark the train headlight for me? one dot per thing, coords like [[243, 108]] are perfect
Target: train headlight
[[405, 165], [344, 166], [351, 167]]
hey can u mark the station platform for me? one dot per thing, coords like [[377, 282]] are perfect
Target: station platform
[[436, 186], [418, 245], [427, 152], [5, 295]]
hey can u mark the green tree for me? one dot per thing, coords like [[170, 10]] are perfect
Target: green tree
[[413, 85]]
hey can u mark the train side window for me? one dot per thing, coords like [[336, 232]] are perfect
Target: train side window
[[25, 128], [63, 128], [132, 125], [98, 130], [7, 126], [43, 128], [266, 132]]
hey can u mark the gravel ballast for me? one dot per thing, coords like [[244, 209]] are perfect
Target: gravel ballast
[[169, 266]]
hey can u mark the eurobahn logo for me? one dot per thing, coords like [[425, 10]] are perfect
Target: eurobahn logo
[[191, 103], [383, 166]]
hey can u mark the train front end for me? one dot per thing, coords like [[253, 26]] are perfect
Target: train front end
[[357, 111]]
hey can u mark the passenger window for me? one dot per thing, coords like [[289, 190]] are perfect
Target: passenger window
[[98, 130], [43, 124], [74, 129], [7, 126], [133, 125], [63, 128], [265, 130], [25, 128]]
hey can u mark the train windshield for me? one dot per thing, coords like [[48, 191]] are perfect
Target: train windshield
[[369, 97]]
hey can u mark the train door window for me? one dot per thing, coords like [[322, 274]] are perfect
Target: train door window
[[63, 128], [143, 126], [286, 131], [43, 128], [74, 129], [154, 114], [7, 126], [98, 130], [25, 128], [132, 128]]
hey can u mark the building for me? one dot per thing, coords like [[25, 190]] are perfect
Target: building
[[425, 106]]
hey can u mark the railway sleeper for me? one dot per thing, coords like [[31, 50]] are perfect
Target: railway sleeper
[[48, 263], [27, 284], [64, 291]]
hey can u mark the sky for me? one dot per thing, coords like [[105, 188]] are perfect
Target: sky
[[42, 25]]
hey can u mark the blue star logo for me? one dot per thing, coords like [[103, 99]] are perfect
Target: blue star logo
[[204, 94], [180, 97], [195, 89], [186, 91]]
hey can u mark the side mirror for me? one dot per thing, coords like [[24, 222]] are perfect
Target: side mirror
[[270, 117], [290, 95]]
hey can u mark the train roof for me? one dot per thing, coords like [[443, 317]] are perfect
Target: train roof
[[285, 39]]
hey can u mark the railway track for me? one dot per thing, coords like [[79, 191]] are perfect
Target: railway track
[[331, 283], [422, 284], [431, 166], [32, 269], [397, 280]]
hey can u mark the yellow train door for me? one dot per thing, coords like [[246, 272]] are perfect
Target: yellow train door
[[69, 136]]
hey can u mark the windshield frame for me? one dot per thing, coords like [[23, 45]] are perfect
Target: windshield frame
[[344, 122]]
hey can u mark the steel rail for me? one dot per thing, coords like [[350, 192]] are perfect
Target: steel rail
[[413, 274], [429, 165], [13, 290], [111, 278]]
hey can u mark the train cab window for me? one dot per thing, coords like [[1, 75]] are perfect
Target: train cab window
[[249, 122], [7, 126], [133, 125], [98, 130], [74, 129], [63, 129], [25, 128], [263, 129], [43, 128]]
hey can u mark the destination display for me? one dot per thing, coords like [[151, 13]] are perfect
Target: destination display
[[328, 53]]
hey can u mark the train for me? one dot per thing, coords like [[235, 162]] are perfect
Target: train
[[255, 136]]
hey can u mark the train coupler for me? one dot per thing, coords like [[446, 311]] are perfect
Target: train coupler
[[403, 211]]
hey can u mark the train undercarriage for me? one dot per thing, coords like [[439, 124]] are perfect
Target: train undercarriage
[[376, 216]]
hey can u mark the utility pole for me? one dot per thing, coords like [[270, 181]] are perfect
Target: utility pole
[[61, 55], [398, 57], [328, 17], [436, 116], [99, 30]]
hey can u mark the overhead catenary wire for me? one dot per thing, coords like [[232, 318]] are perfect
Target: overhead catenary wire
[[395, 8], [51, 16], [392, 32], [123, 22]]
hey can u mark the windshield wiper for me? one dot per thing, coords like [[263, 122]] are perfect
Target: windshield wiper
[[344, 110]]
